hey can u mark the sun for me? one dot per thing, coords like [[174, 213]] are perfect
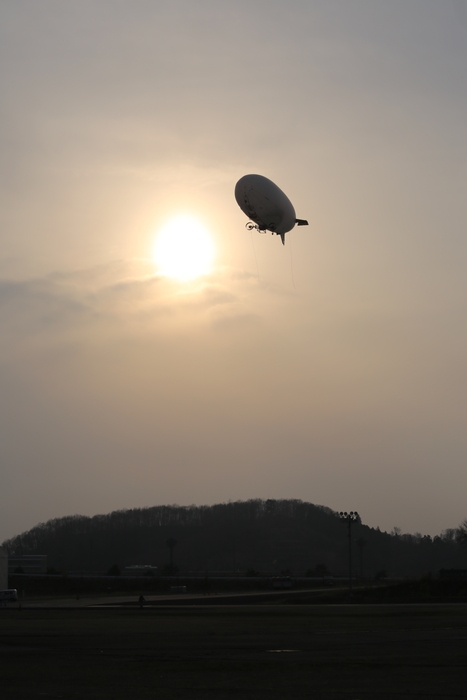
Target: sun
[[184, 249]]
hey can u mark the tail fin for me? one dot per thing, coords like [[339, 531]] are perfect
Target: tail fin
[[282, 235], [301, 222]]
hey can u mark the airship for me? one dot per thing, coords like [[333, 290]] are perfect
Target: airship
[[267, 207]]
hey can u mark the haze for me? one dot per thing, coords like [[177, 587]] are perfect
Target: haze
[[332, 370]]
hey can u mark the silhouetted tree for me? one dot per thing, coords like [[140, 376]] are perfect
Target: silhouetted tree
[[321, 570], [461, 533], [114, 570], [361, 544], [169, 570], [171, 542]]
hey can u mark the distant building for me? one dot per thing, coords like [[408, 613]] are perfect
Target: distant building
[[3, 569], [27, 563]]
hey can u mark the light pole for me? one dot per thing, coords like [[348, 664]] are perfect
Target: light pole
[[350, 518]]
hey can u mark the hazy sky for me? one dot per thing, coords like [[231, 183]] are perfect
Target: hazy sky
[[332, 370]]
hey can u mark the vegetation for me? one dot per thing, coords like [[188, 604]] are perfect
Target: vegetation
[[114, 570], [461, 533], [265, 536]]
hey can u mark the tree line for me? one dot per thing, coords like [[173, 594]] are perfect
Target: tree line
[[264, 536]]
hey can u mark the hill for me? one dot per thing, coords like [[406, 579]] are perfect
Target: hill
[[265, 536]]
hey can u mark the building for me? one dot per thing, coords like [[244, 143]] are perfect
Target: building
[[27, 564], [3, 569]]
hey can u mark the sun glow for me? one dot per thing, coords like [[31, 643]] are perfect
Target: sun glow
[[184, 249]]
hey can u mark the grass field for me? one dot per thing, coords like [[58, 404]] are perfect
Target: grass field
[[347, 652]]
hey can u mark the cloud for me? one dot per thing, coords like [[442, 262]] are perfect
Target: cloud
[[35, 305], [114, 298], [236, 322]]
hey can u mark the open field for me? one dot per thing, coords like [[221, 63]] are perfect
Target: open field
[[347, 652]]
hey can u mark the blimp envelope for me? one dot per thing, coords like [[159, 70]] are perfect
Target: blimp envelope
[[266, 205]]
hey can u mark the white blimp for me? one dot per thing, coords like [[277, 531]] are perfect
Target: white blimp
[[266, 205]]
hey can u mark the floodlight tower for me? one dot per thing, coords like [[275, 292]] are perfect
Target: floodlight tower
[[350, 519]]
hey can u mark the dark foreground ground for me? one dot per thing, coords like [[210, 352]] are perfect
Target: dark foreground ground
[[326, 652]]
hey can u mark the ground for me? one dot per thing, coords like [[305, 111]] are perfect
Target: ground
[[324, 652]]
